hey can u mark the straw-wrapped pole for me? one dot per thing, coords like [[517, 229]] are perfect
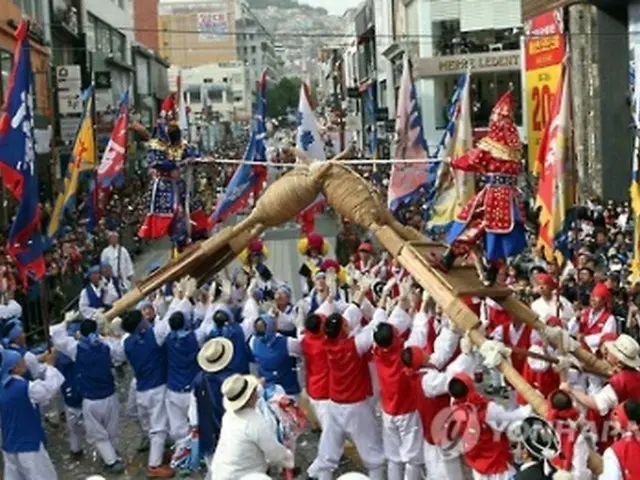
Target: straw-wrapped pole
[[519, 310], [357, 201]]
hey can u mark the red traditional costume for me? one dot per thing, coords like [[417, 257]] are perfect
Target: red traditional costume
[[494, 215], [314, 248], [593, 324]]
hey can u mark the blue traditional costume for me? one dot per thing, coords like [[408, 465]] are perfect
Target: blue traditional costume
[[174, 210], [494, 215]]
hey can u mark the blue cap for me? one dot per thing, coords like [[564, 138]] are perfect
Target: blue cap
[[105, 264], [286, 289], [93, 269], [144, 304], [155, 265], [10, 359], [16, 330]]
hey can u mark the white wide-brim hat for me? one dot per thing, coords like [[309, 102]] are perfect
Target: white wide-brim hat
[[215, 355], [625, 349], [353, 476], [237, 390], [256, 476]]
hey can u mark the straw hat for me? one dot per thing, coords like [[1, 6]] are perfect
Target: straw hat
[[237, 390], [625, 349], [215, 355]]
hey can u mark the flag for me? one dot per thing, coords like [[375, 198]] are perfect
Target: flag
[[111, 168], [555, 169], [409, 179], [18, 162], [83, 159], [454, 188], [635, 175], [182, 109], [247, 179], [308, 140]]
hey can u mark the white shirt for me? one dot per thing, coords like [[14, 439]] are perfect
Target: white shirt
[[611, 469], [593, 341], [545, 309], [11, 310], [41, 391], [110, 292], [68, 345], [122, 267], [247, 445], [87, 311], [581, 451], [606, 399]]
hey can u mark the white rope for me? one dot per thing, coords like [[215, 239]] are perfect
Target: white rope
[[292, 165]]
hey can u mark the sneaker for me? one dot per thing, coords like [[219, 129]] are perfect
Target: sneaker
[[144, 445], [161, 471], [116, 467]]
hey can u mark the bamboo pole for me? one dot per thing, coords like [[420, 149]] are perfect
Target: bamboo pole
[[519, 310]]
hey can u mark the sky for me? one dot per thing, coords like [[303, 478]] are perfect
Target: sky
[[336, 7]]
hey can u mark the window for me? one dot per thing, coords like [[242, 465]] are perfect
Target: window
[[237, 97], [33, 9], [103, 37], [253, 49], [215, 96], [91, 33], [195, 96], [142, 75], [118, 45], [486, 89], [6, 63]]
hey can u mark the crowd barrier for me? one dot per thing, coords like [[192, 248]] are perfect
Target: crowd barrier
[[52, 298]]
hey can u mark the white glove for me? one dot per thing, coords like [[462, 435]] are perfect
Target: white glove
[[115, 328], [70, 316], [332, 283], [100, 320], [559, 337], [253, 287], [466, 346], [212, 291], [190, 286], [288, 461], [493, 353], [405, 287], [566, 362], [389, 286], [226, 290], [562, 475]]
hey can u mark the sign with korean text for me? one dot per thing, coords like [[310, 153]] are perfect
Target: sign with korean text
[[545, 46], [212, 25]]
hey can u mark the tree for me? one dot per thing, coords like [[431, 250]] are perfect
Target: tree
[[281, 96]]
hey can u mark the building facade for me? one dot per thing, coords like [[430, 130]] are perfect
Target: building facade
[[256, 47], [198, 32], [146, 21], [218, 92]]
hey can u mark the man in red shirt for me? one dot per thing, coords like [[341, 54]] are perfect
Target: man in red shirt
[[620, 461], [316, 365], [349, 411], [402, 429]]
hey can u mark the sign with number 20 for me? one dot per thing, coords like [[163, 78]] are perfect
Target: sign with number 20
[[545, 50]]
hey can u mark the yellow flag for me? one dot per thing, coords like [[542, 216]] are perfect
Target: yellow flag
[[83, 158]]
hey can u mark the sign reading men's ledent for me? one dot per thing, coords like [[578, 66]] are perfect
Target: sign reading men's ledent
[[478, 62]]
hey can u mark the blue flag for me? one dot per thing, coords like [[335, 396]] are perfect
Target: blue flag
[[18, 162], [248, 178]]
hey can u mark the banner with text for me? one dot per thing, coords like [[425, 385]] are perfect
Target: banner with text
[[545, 45]]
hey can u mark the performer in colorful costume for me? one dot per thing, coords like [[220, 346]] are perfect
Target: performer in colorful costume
[[494, 214], [174, 210], [314, 248]]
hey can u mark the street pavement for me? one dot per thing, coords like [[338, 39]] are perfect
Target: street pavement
[[129, 440]]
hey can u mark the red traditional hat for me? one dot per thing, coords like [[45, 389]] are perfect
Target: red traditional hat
[[601, 290], [330, 263], [313, 241], [503, 141], [546, 279], [554, 321], [365, 247], [256, 246]]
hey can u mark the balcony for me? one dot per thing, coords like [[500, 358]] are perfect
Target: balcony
[[448, 39]]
